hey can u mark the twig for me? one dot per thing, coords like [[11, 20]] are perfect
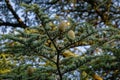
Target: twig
[[15, 14]]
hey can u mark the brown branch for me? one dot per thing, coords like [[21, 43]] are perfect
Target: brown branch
[[104, 16], [15, 14], [58, 52], [11, 24]]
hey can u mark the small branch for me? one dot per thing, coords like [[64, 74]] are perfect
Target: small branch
[[44, 56], [72, 43], [43, 19], [58, 66], [58, 53], [11, 24], [15, 14]]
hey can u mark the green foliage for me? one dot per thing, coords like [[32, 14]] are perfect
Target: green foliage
[[38, 51]]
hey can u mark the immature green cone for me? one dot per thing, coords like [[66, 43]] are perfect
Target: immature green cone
[[63, 26], [71, 34], [30, 70]]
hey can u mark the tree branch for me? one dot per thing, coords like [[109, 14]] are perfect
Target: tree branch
[[15, 14], [11, 24]]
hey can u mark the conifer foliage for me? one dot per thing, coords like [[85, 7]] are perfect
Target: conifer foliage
[[46, 51]]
